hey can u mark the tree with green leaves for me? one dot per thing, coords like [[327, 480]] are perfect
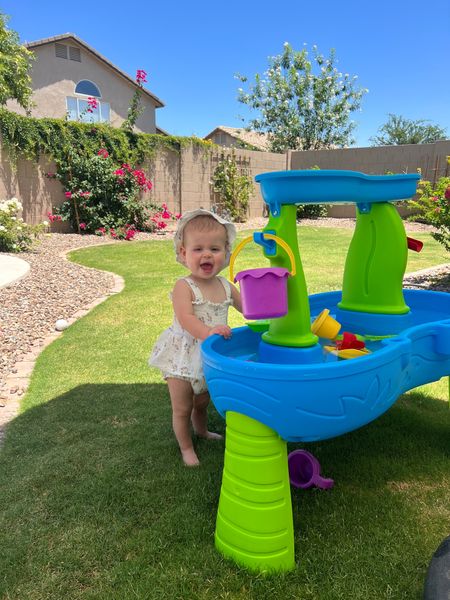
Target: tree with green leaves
[[398, 131], [303, 103], [15, 81]]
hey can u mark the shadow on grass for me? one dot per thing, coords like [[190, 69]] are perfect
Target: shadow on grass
[[93, 493]]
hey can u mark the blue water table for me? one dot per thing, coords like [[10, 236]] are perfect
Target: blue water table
[[288, 377]]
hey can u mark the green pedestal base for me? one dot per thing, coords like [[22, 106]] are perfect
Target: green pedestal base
[[254, 518]]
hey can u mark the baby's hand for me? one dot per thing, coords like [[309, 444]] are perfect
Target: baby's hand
[[222, 330]]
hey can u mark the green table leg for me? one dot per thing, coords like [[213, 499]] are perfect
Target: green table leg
[[254, 518]]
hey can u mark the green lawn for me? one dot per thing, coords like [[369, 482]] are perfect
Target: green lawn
[[95, 502]]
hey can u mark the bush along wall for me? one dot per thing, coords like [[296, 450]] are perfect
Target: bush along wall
[[98, 167]]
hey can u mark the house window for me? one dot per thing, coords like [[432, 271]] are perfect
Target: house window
[[87, 88], [77, 110]]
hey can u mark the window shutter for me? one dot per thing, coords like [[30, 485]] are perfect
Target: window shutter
[[61, 50], [74, 53]]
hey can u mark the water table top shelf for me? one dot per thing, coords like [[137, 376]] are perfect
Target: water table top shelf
[[333, 187]]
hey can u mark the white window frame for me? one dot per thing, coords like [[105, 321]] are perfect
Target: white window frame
[[83, 97]]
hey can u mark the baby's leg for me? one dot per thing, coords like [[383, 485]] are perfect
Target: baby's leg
[[182, 403], [199, 417]]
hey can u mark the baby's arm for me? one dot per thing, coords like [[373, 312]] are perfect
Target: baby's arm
[[235, 294], [184, 311]]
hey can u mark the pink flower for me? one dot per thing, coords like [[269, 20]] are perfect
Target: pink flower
[[161, 225], [141, 76], [178, 216], [68, 194], [92, 104], [103, 153], [50, 175], [53, 218], [119, 172], [131, 232], [83, 225], [165, 214]]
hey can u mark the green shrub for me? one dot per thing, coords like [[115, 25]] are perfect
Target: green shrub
[[234, 187], [15, 235], [311, 211]]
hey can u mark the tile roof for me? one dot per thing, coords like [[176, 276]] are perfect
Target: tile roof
[[258, 140], [68, 36]]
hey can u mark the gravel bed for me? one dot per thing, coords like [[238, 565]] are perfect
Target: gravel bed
[[56, 288]]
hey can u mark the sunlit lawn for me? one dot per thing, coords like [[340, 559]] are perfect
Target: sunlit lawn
[[95, 502]]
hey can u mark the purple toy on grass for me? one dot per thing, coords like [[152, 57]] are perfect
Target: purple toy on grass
[[304, 471]]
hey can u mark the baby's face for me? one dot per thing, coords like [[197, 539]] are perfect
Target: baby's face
[[204, 251]]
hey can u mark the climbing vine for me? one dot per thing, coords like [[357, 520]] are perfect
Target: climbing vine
[[58, 138]]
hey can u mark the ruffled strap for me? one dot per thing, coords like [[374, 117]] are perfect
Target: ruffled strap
[[227, 286], [198, 296]]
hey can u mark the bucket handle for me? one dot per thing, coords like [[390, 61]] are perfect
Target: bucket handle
[[267, 236]]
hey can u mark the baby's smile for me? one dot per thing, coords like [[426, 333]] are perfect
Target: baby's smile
[[206, 266]]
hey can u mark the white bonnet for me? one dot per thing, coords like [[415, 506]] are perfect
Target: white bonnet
[[188, 216]]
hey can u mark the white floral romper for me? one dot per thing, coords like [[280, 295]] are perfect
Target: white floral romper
[[176, 352]]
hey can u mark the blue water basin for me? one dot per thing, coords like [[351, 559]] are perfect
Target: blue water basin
[[327, 398]]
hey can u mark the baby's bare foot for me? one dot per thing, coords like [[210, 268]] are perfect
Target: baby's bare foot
[[190, 459], [210, 435]]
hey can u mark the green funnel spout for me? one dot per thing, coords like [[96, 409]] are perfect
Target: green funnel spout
[[294, 329], [376, 263]]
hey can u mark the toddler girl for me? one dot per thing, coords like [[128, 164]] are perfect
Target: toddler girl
[[200, 302]]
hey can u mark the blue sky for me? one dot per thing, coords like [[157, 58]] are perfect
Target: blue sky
[[191, 51]]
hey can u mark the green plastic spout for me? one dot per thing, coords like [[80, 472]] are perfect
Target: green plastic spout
[[294, 329], [376, 263]]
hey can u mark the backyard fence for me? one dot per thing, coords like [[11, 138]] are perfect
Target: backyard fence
[[182, 179]]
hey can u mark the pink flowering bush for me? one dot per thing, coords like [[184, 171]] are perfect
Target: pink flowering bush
[[127, 232], [159, 217], [100, 194], [433, 207]]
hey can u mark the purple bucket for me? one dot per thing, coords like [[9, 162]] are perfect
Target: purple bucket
[[263, 292]]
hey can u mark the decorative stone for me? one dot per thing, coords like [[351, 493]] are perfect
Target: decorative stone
[[61, 324]]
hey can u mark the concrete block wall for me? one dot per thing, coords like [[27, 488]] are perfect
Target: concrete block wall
[[164, 172], [430, 158], [253, 162], [183, 180], [27, 182]]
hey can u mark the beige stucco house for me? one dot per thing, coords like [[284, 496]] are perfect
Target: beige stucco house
[[234, 137], [67, 71]]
